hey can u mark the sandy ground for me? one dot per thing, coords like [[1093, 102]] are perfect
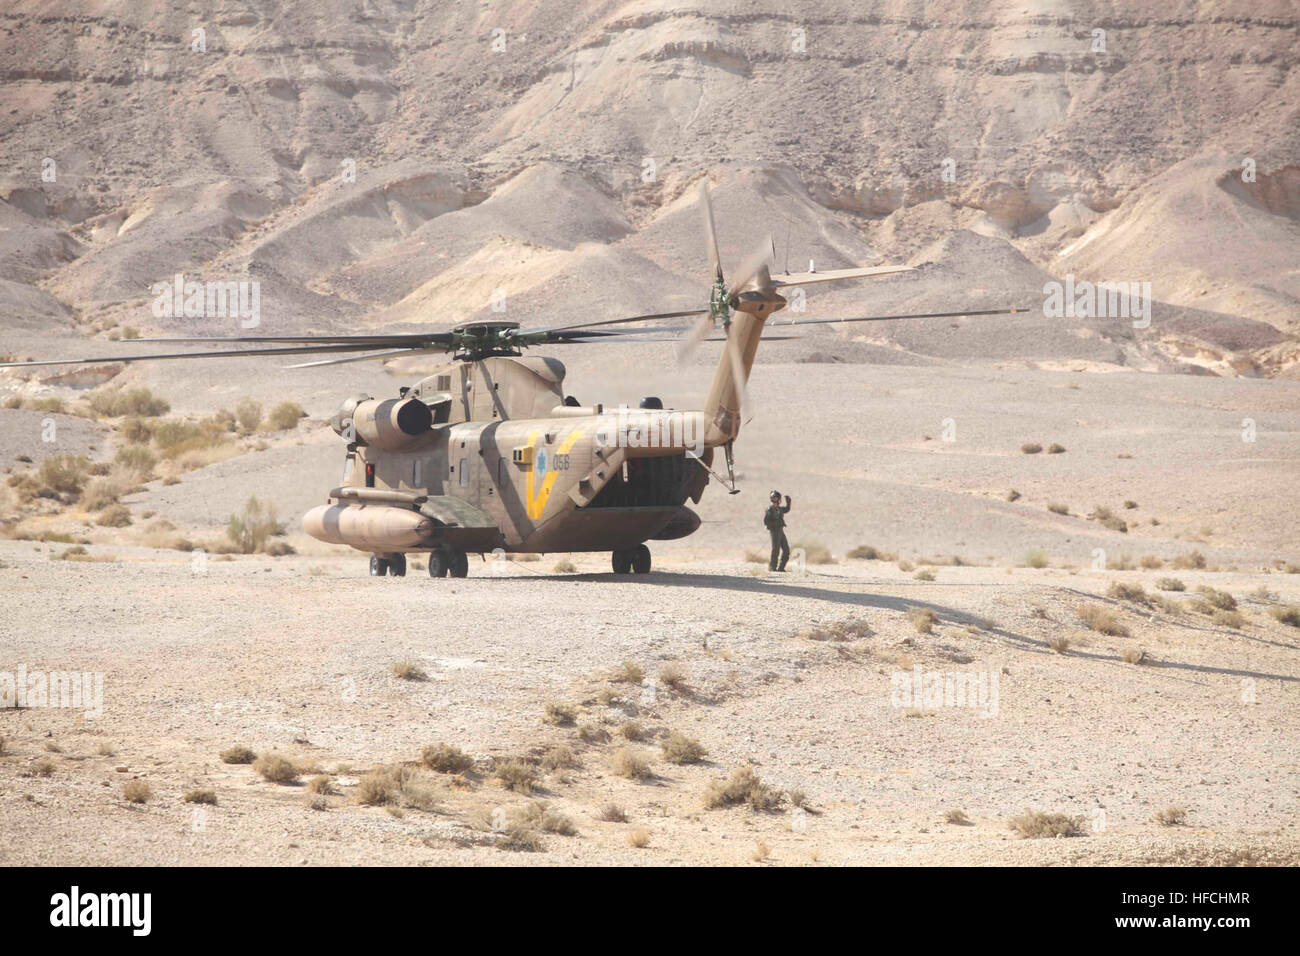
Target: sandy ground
[[295, 655]]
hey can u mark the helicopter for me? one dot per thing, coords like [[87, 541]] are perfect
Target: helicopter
[[488, 454]]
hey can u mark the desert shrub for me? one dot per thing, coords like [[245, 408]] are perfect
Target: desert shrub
[[1171, 817], [1036, 558], [632, 730], [1123, 591], [200, 796], [1057, 508], [593, 733], [957, 817], [1036, 825], [1031, 448], [114, 516], [1134, 655], [628, 764], [560, 714], [906, 566], [679, 748], [1150, 562], [65, 474], [284, 416], [1219, 599], [1286, 615], [138, 460], [276, 768], [1231, 619], [516, 775], [559, 757], [673, 676], [564, 566], [137, 791], [814, 552], [1189, 562], [445, 758], [237, 754], [1055, 449], [611, 813], [249, 532], [865, 552], [629, 673], [1059, 643], [1170, 584], [743, 786], [1013, 495], [1103, 620], [407, 670], [924, 575], [321, 784], [249, 414], [639, 838], [923, 619], [116, 402]]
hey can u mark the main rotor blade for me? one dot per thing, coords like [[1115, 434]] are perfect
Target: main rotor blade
[[836, 275], [701, 330], [552, 329], [710, 230], [891, 318], [360, 358], [224, 353], [379, 338]]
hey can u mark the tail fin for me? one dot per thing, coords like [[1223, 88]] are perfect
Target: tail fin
[[722, 408]]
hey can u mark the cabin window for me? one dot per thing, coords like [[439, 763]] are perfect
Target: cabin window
[[415, 473], [464, 472]]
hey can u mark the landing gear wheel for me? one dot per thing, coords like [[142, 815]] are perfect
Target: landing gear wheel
[[622, 562], [397, 565], [378, 566], [458, 564], [640, 559], [438, 563]]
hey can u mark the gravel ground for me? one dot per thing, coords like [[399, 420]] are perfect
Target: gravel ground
[[295, 655]]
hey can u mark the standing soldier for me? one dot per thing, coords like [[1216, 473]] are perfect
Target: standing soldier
[[774, 521]]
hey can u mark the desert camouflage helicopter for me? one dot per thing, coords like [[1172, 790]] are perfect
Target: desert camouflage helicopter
[[488, 454]]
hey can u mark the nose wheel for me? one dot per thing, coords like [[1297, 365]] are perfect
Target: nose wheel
[[381, 565], [632, 560]]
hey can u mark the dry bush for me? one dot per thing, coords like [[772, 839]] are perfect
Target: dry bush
[[673, 676], [516, 775], [114, 516], [1013, 495], [1059, 644], [445, 758], [237, 754], [542, 816], [1134, 655], [761, 852], [249, 414], [1031, 448], [1036, 558], [924, 575], [1149, 562], [865, 552], [906, 566], [276, 768], [743, 786], [137, 791], [1057, 508], [1170, 584], [632, 730], [520, 840], [1218, 599], [321, 784], [201, 796], [1037, 825], [284, 416], [1230, 619], [1189, 562], [1289, 614], [564, 566], [1055, 449], [679, 748], [1122, 591], [43, 767], [137, 461], [64, 474], [849, 630], [1171, 817], [814, 552], [625, 763], [560, 714], [250, 531], [923, 619], [593, 733], [559, 757], [957, 817], [407, 670], [629, 673], [1103, 620], [639, 838], [611, 813], [117, 402]]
